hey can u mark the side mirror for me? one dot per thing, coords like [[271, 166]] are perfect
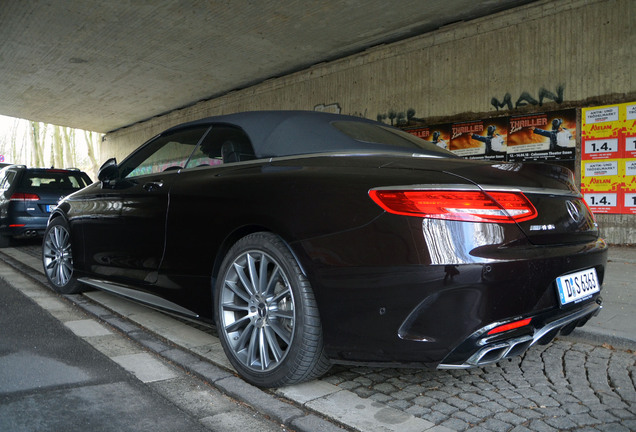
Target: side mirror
[[108, 171]]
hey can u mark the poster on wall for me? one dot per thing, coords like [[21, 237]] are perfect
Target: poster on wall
[[628, 136], [628, 139], [608, 158], [549, 136], [482, 139], [438, 135], [543, 137], [629, 186]]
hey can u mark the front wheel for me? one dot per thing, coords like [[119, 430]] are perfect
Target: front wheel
[[57, 258], [266, 314]]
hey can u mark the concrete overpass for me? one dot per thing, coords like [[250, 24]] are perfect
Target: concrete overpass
[[102, 66]]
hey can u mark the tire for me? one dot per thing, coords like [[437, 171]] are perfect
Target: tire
[[57, 258], [266, 315]]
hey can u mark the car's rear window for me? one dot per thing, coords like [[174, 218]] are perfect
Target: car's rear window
[[371, 133], [52, 180]]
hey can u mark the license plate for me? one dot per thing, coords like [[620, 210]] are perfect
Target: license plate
[[577, 286], [50, 208]]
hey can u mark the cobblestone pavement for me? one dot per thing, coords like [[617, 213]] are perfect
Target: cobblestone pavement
[[558, 387], [562, 386]]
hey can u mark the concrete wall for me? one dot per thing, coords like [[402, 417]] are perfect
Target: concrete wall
[[584, 47]]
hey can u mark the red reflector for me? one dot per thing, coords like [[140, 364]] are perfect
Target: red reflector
[[510, 326], [475, 206], [24, 197], [16, 225]]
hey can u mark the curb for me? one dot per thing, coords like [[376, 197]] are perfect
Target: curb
[[595, 336]]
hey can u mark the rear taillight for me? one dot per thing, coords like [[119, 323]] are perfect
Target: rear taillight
[[462, 205], [19, 196]]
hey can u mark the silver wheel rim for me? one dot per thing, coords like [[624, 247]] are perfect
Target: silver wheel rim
[[58, 261], [257, 311]]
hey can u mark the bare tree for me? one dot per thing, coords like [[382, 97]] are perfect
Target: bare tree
[[38, 134], [70, 158], [57, 149], [40, 145], [17, 149], [92, 146]]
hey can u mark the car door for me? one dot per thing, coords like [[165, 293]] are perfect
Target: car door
[[198, 215], [124, 233]]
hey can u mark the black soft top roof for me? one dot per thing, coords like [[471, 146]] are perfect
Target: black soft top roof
[[285, 133]]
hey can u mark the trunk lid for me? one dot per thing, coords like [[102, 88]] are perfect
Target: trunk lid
[[563, 217]]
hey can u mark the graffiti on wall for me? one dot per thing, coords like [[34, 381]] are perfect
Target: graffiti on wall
[[333, 108], [527, 99], [407, 118], [397, 118], [393, 117]]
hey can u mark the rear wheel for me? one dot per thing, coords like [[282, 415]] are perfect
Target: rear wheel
[[266, 314], [57, 258]]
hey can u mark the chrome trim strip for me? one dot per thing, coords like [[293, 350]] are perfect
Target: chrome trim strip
[[145, 298], [270, 159], [346, 154], [486, 188], [533, 190], [432, 186]]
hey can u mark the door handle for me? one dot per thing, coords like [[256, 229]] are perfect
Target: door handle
[[152, 186]]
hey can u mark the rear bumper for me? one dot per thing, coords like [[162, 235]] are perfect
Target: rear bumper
[[392, 304], [24, 226], [481, 349]]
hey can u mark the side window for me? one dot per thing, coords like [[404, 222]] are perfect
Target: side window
[[77, 181], [3, 181], [166, 152], [223, 144], [6, 181]]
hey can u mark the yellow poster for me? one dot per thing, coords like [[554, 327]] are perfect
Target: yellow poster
[[629, 186], [608, 158]]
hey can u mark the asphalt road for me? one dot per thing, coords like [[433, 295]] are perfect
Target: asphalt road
[[53, 380]]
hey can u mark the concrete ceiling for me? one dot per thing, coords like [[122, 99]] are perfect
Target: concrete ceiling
[[102, 65]]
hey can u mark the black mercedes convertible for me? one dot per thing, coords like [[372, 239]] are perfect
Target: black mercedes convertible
[[311, 238]]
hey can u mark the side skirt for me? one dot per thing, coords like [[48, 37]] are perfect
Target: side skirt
[[139, 296]]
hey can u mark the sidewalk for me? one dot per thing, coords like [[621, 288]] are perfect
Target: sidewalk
[[616, 323]]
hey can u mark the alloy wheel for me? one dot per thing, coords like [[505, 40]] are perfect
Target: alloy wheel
[[257, 311], [57, 257]]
